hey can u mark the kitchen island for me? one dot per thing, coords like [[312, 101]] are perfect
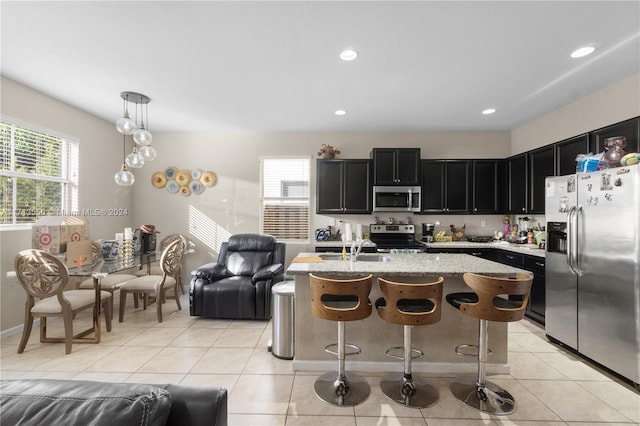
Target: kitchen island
[[374, 336]]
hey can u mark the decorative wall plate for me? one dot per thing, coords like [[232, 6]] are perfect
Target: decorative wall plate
[[170, 172], [183, 177], [184, 190], [196, 187], [196, 174], [158, 179], [172, 186], [209, 179]]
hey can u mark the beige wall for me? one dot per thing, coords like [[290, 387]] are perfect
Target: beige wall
[[613, 104], [232, 206]]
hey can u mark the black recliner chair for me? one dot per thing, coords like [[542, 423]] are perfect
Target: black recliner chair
[[239, 285]]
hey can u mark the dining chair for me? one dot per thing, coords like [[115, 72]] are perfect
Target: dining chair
[[155, 269], [153, 288], [44, 278]]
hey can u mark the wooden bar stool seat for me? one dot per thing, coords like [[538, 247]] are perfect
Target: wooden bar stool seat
[[409, 305], [489, 302], [341, 301]]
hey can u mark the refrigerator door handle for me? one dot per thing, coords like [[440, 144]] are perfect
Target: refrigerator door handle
[[576, 257], [570, 221]]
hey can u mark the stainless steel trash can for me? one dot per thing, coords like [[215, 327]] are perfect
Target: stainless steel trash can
[[283, 332]]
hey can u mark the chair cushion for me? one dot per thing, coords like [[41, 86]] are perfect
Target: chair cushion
[[77, 298], [112, 281], [251, 242], [147, 282], [247, 263], [51, 402]]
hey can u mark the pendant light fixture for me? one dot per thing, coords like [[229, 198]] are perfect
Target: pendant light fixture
[[142, 150], [124, 177]]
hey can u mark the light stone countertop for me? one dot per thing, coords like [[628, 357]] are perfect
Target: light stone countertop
[[419, 264]]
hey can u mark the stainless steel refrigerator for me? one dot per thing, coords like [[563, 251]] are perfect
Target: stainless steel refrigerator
[[593, 266]]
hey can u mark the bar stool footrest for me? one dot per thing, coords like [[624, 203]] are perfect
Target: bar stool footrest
[[486, 397], [460, 350], [415, 353], [355, 349]]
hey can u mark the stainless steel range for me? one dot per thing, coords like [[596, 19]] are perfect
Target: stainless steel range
[[396, 236]]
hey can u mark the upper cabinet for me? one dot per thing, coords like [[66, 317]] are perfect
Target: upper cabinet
[[396, 166], [567, 151], [343, 186], [445, 186], [541, 165], [486, 180], [517, 183], [630, 129]]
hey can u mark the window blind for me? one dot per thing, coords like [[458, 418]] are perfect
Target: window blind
[[38, 174], [285, 198]]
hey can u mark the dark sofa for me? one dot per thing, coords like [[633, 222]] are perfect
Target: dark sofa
[[238, 285], [76, 402]]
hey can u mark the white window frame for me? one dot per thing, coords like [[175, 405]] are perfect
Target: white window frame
[[299, 201], [69, 176]]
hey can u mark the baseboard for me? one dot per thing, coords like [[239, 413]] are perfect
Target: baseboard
[[18, 329]]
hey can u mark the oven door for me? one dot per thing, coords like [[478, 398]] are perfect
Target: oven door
[[396, 198]]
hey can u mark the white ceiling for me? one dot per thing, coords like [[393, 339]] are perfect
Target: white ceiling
[[273, 66]]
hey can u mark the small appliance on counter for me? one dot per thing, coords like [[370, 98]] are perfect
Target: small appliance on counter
[[427, 232]]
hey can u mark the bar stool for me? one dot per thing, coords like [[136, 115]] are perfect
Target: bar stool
[[486, 304], [341, 301], [409, 305]]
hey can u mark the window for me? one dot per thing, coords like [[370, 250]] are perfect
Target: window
[[285, 198], [38, 173]]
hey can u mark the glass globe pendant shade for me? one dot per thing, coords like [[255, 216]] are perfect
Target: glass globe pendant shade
[[124, 177], [126, 125], [148, 152], [142, 136], [134, 160]]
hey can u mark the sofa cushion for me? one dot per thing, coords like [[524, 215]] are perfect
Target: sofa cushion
[[74, 402]]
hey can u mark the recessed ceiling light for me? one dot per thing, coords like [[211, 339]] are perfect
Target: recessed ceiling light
[[489, 111], [340, 112], [348, 55], [583, 51]]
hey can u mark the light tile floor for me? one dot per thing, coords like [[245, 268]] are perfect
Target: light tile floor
[[551, 385]]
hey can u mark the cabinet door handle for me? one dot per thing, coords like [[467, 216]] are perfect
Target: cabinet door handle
[[476, 253], [540, 264], [475, 209], [510, 257], [523, 209]]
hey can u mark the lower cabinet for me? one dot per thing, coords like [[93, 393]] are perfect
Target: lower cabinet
[[536, 307]]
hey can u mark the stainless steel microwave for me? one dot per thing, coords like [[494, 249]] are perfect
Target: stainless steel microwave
[[396, 198]]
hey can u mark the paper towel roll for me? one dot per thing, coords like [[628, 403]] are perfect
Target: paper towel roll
[[348, 235], [359, 231]]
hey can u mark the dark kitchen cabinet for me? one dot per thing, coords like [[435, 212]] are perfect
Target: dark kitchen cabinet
[[630, 129], [516, 184], [343, 186], [486, 186], [541, 165], [536, 306], [567, 151], [396, 166], [445, 186]]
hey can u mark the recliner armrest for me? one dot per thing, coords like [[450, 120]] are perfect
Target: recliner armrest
[[211, 272], [267, 273]]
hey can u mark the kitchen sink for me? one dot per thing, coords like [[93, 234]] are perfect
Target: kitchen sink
[[361, 258]]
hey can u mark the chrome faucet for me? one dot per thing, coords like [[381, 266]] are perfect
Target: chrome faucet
[[356, 247]]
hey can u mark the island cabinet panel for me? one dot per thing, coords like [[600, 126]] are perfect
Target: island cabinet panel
[[541, 165], [630, 129], [343, 186], [567, 151], [396, 166]]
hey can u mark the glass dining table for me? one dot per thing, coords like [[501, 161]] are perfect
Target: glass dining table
[[104, 268]]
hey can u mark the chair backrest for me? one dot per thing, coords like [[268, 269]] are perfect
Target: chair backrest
[[245, 254], [489, 289], [411, 304], [171, 258], [171, 238], [340, 300], [40, 274]]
